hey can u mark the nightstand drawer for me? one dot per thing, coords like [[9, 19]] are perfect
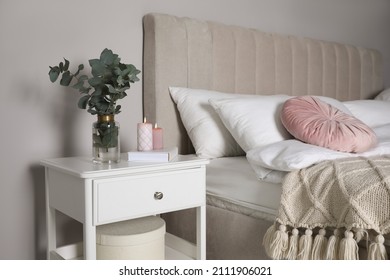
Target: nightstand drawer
[[149, 194]]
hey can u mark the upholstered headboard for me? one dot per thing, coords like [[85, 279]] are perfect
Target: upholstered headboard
[[185, 52]]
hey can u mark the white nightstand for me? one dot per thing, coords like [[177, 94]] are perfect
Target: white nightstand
[[99, 194]]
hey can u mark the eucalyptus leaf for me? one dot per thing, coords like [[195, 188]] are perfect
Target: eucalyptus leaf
[[85, 89], [97, 92], [54, 73], [96, 139], [92, 111], [122, 95], [80, 67], [83, 101], [108, 57], [120, 81], [83, 78], [95, 81], [102, 106], [111, 89], [117, 71], [79, 85], [93, 61], [66, 78], [125, 72], [109, 136], [98, 68], [94, 100], [66, 65], [123, 89]]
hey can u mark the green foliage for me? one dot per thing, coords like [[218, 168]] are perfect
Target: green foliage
[[107, 84], [105, 135]]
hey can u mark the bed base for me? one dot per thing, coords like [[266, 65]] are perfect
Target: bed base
[[230, 235]]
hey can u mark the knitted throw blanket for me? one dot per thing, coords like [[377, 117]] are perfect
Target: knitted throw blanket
[[327, 208]]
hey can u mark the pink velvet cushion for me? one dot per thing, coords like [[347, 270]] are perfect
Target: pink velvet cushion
[[315, 122]]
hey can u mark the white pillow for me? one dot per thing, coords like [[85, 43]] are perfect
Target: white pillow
[[371, 112], [255, 121], [292, 154], [207, 133], [384, 95], [334, 102]]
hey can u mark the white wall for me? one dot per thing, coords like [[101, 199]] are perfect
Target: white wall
[[41, 120]]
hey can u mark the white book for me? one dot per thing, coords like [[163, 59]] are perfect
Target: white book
[[163, 155]]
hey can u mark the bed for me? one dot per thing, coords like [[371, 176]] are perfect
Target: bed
[[190, 57]]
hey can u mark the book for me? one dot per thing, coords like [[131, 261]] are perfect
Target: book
[[163, 155]]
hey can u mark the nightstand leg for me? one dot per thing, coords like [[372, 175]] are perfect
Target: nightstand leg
[[50, 221], [89, 228], [89, 242], [51, 230], [201, 232]]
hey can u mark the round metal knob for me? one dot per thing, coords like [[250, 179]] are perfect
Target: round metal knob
[[158, 195]]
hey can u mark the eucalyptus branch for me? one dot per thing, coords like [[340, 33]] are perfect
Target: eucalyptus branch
[[109, 78]]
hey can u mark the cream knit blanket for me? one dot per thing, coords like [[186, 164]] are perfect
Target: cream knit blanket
[[327, 208]]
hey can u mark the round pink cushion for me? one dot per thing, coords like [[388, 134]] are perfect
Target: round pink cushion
[[313, 121]]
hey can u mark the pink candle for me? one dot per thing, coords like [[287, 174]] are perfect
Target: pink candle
[[144, 136], [157, 138]]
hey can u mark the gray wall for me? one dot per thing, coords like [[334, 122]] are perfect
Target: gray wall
[[41, 120]]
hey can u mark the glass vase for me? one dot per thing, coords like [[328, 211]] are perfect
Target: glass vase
[[105, 139]]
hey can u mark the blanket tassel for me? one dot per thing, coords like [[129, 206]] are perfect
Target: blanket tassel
[[332, 248], [349, 249], [267, 239], [377, 250], [292, 252], [305, 244], [359, 234], [319, 245], [279, 243]]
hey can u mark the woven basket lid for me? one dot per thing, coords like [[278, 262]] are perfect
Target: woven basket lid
[[131, 232]]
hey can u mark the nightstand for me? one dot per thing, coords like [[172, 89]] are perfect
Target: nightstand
[[96, 194]]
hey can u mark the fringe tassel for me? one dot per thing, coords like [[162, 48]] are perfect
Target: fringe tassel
[[292, 252], [332, 248], [319, 245], [359, 233], [275, 242], [305, 244], [267, 239], [377, 250], [349, 249], [279, 244]]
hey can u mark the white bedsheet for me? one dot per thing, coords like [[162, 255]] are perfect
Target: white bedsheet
[[232, 179]]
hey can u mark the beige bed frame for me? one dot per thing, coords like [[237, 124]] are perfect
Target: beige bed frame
[[186, 52]]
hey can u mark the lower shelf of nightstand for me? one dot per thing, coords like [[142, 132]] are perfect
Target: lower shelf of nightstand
[[175, 249]]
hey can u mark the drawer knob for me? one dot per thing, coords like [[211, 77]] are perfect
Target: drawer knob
[[158, 195]]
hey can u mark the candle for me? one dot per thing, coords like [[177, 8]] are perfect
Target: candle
[[157, 138], [144, 136]]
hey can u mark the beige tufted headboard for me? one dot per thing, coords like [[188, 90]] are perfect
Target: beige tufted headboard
[[185, 52]]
